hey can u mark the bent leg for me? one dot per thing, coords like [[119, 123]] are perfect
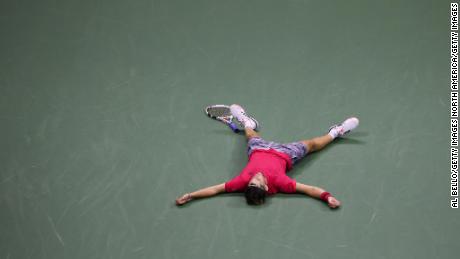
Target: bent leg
[[318, 143]]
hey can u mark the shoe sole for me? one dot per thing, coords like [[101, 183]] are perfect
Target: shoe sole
[[357, 124]]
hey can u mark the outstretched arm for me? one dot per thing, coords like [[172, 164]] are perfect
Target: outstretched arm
[[318, 193], [202, 193]]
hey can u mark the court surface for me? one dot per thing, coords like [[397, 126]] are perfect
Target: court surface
[[102, 127]]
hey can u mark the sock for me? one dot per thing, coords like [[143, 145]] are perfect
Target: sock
[[334, 132]]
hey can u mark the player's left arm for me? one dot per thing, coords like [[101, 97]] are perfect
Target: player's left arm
[[202, 193], [317, 193]]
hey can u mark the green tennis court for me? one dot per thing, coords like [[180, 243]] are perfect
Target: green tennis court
[[102, 127]]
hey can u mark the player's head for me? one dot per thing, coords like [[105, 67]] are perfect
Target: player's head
[[256, 190]]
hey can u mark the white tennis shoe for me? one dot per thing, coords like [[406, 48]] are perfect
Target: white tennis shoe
[[343, 128], [246, 120]]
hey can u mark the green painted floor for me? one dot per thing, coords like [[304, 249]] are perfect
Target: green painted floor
[[102, 127]]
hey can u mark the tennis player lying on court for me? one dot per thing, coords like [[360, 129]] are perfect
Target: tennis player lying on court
[[265, 173]]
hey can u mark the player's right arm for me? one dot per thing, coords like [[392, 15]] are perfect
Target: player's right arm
[[202, 193]]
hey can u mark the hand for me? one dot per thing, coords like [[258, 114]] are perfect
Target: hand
[[333, 202], [184, 199]]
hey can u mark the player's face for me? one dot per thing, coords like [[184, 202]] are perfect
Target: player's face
[[259, 181]]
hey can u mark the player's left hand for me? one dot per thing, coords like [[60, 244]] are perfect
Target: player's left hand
[[333, 202]]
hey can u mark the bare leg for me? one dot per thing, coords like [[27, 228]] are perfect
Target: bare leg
[[318, 143], [250, 133]]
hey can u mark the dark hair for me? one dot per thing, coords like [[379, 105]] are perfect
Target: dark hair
[[255, 195]]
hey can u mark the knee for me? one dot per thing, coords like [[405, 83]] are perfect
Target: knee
[[311, 145]]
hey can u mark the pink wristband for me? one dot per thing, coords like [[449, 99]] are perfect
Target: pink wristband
[[324, 196]]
